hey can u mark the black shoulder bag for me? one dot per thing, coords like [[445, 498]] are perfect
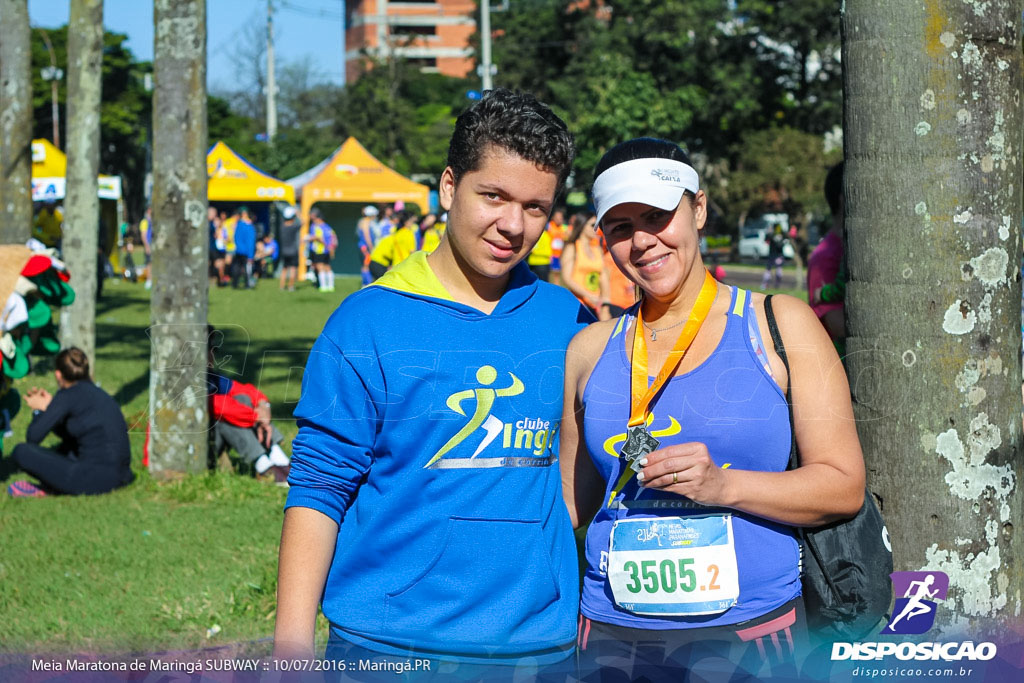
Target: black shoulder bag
[[846, 564]]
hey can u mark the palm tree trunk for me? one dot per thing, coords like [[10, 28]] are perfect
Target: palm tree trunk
[[82, 206], [933, 124], [178, 396], [15, 123]]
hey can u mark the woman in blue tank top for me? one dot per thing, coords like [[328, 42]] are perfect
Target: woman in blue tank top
[[675, 442]]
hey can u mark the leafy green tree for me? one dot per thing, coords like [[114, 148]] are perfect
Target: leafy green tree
[[124, 112], [797, 44], [402, 116], [533, 45], [791, 162], [720, 77]]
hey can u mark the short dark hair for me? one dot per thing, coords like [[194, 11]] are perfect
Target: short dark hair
[[402, 217], [514, 121], [834, 187], [73, 364], [641, 148]]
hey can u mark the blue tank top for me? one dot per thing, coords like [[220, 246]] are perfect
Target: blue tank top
[[730, 403]]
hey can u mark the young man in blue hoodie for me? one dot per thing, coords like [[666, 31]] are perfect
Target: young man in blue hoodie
[[424, 511]]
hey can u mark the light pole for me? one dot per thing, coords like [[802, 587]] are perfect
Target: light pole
[[52, 74], [486, 69], [485, 34], [271, 84]]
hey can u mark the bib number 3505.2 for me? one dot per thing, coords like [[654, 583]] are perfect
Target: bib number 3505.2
[[673, 565]]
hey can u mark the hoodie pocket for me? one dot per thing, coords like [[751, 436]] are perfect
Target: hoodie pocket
[[485, 585]]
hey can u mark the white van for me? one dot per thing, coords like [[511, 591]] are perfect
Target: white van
[[753, 244]]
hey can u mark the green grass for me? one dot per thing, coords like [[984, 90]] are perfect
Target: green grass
[[155, 565]]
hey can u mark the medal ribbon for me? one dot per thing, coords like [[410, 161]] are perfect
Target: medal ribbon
[[641, 395]]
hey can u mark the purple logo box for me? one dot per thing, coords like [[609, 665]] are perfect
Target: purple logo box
[[901, 582], [914, 608]]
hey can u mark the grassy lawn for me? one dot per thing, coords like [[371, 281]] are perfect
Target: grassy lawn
[[157, 566]]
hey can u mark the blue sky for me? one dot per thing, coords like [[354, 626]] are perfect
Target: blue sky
[[302, 28]]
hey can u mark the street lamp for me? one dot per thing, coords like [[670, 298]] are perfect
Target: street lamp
[[52, 74], [486, 70]]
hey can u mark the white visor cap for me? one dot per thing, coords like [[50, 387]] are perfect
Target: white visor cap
[[652, 181]]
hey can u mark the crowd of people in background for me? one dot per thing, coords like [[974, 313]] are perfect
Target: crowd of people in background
[[243, 250]]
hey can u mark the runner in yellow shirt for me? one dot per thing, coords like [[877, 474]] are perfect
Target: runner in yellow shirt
[[539, 260], [430, 234], [48, 225], [394, 248]]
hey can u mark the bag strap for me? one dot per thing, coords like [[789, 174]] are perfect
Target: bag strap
[[794, 456], [780, 351]]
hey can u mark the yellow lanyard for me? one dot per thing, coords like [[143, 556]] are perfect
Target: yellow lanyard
[[638, 441]]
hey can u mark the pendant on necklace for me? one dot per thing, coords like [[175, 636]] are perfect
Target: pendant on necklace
[[654, 335]]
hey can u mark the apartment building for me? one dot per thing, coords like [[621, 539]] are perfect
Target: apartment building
[[432, 34]]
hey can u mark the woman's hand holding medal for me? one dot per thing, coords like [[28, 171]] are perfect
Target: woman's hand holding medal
[[687, 470]]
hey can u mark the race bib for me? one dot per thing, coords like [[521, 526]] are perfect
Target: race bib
[[674, 566]]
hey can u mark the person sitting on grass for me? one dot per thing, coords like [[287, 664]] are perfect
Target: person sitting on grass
[[240, 414], [94, 455]]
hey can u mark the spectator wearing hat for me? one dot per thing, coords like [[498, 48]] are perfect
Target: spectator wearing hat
[[245, 249], [94, 455], [289, 247]]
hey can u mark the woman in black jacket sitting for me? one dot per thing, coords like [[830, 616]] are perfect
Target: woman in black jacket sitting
[[94, 455]]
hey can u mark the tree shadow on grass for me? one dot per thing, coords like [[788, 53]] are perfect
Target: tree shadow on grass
[[130, 390], [130, 340]]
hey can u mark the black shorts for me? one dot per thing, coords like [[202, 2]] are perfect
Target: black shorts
[[217, 255], [289, 260], [737, 652], [376, 270], [320, 258]]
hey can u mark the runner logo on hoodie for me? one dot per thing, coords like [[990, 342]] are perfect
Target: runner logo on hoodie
[[532, 434]]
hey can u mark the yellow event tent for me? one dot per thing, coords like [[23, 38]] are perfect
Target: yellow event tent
[[49, 171], [233, 179], [353, 175]]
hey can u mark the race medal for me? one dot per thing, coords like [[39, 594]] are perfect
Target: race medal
[[639, 443], [674, 566]]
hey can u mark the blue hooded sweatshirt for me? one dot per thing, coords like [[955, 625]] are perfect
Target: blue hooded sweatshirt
[[428, 432]]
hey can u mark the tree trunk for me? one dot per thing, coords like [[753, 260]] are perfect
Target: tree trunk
[[178, 401], [15, 123], [933, 215], [82, 206]]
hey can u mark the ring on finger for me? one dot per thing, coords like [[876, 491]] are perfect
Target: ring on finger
[[675, 477]]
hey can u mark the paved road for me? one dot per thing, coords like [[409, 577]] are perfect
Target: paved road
[[750, 278]]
